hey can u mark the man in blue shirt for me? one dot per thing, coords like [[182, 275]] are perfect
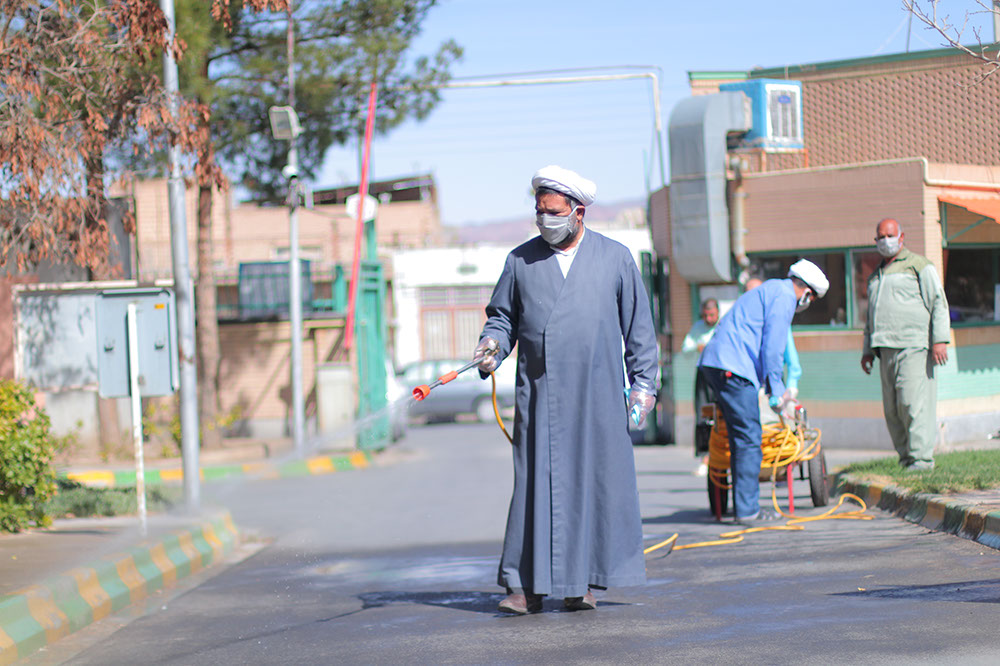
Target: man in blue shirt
[[792, 365], [746, 353]]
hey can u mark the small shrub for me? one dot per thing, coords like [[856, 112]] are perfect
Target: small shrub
[[27, 479], [74, 500]]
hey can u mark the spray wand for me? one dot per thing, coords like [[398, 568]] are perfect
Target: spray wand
[[421, 391]]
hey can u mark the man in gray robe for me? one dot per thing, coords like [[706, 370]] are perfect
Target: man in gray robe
[[568, 298]]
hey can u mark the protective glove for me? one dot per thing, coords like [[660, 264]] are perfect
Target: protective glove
[[640, 401], [789, 409], [778, 404], [487, 350]]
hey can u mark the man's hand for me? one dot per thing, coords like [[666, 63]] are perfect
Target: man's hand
[[866, 363], [487, 351], [701, 348], [787, 398], [640, 402], [939, 352], [789, 409]]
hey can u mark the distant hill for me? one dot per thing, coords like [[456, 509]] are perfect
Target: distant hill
[[518, 229]]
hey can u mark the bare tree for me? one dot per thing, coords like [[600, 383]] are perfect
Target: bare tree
[[955, 33]]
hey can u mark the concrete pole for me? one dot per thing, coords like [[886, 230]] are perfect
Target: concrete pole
[[294, 266], [996, 21], [183, 287]]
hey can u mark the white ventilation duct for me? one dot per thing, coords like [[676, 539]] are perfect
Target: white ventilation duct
[[699, 216]]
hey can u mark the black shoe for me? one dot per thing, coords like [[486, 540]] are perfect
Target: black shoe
[[586, 602], [763, 518], [521, 604]]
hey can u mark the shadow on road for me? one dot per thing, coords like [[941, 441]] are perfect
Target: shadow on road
[[475, 602], [979, 591], [686, 516]]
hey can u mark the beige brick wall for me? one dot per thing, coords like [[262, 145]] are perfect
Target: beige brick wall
[[869, 110], [830, 208], [884, 110], [255, 370]]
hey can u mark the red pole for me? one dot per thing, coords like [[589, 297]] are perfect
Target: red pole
[[359, 230]]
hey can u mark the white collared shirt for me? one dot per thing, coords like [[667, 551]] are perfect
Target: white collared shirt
[[565, 257]]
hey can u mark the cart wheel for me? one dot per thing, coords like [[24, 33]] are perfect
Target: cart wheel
[[718, 498], [819, 488]]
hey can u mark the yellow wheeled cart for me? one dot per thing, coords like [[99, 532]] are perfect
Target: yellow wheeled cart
[[787, 448]]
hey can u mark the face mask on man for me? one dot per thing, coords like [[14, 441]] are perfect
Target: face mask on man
[[554, 229], [805, 300], [887, 246]]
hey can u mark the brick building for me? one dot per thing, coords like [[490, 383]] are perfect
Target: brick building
[[912, 136], [254, 370], [254, 341]]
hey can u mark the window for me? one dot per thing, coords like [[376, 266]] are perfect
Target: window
[[972, 284], [864, 263], [451, 319], [831, 310]]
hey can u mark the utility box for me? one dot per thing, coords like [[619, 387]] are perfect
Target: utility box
[[157, 342]]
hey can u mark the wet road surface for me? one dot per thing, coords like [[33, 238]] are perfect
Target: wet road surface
[[397, 563]]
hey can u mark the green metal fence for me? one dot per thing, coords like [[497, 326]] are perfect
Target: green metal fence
[[370, 338]]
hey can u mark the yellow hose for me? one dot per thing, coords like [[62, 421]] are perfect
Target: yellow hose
[[496, 410], [781, 447], [793, 525]]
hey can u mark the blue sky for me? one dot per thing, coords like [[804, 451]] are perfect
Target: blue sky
[[483, 145]]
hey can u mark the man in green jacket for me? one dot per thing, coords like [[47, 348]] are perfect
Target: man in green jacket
[[908, 330]]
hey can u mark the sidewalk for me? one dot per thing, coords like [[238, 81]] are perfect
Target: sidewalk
[[40, 606], [57, 580]]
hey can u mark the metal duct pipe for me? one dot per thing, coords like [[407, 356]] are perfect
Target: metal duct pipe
[[737, 218], [699, 215]]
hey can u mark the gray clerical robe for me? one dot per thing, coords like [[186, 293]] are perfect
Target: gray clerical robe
[[574, 515]]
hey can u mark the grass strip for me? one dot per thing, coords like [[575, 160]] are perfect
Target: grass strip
[[955, 472]]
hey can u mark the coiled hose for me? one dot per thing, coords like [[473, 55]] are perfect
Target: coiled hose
[[781, 446]]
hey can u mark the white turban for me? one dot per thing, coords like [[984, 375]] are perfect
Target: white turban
[[565, 181]]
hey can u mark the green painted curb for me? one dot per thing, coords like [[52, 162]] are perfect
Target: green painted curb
[[42, 614], [125, 478], [957, 517]]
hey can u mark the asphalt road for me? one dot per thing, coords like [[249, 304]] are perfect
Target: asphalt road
[[397, 564]]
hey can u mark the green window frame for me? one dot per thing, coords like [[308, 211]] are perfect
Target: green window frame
[[845, 305]]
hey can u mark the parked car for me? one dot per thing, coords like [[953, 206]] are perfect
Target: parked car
[[466, 394]]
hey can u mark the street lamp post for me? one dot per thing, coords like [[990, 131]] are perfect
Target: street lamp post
[[285, 127], [183, 286]]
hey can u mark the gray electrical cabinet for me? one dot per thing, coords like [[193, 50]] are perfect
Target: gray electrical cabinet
[[156, 332]]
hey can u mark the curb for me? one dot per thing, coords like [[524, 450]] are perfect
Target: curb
[[42, 614], [934, 512], [255, 470]]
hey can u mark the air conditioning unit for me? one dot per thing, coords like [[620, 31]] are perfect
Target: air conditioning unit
[[777, 113]]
